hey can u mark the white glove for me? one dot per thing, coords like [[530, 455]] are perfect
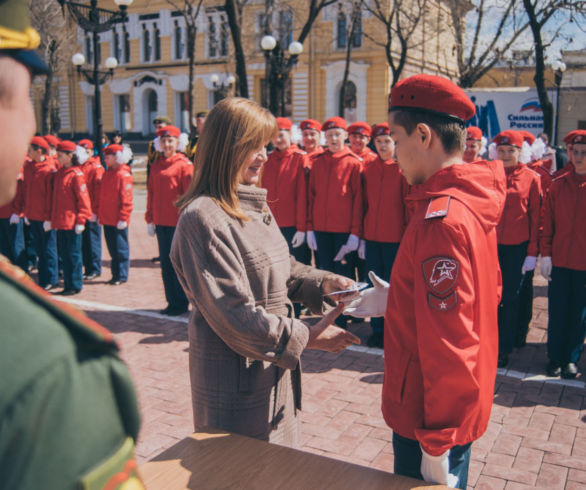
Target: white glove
[[151, 229], [436, 469], [298, 239], [47, 226], [351, 245], [26, 221], [546, 268], [372, 301], [14, 219], [121, 225], [529, 264], [311, 241], [79, 229], [93, 218], [362, 250]]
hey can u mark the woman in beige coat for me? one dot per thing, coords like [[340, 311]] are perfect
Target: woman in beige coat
[[233, 263]]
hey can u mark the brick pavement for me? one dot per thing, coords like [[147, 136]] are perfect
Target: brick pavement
[[536, 436]]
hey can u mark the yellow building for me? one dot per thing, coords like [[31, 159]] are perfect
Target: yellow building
[[152, 74]]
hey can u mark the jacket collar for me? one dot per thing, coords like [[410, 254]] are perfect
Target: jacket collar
[[252, 198]]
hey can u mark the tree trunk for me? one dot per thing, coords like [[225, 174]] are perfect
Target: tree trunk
[[191, 33], [46, 104], [241, 88]]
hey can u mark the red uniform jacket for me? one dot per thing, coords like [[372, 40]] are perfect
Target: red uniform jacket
[[38, 189], [441, 334], [169, 179], [283, 177], [383, 190], [563, 237], [520, 220], [71, 201], [546, 178], [16, 206], [335, 193], [366, 156], [115, 196], [93, 172], [568, 167]]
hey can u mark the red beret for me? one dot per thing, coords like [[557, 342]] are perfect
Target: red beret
[[40, 141], [360, 127], [52, 140], [310, 124], [578, 136], [509, 137], [66, 146], [527, 136], [87, 144], [169, 131], [112, 149], [333, 123], [380, 129], [284, 123], [432, 94], [473, 133]]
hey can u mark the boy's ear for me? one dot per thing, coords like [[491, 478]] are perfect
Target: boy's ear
[[423, 132]]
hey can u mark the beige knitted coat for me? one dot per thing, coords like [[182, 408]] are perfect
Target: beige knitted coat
[[244, 344]]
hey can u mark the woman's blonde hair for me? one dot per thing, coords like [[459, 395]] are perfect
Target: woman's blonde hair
[[234, 129]]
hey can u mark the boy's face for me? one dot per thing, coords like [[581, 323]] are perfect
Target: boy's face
[[310, 139], [36, 153], [509, 154], [471, 151], [65, 158], [110, 160], [169, 145], [579, 157], [335, 139], [283, 140], [409, 152], [385, 146], [358, 142]]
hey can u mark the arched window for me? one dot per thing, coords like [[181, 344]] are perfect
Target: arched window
[[348, 103]]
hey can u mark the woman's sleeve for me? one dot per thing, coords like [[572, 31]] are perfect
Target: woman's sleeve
[[211, 271], [304, 286]]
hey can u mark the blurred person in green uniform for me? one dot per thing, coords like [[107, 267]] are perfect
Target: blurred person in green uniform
[[68, 411]]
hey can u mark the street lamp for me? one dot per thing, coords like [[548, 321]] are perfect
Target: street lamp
[[92, 19], [559, 67], [221, 89]]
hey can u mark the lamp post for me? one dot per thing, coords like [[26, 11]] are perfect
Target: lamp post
[[221, 89], [277, 70], [559, 67], [92, 19]]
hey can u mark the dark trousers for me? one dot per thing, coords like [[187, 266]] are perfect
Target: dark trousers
[[117, 243], [567, 315], [379, 258], [525, 308], [69, 244], [29, 246], [511, 259], [45, 243], [408, 459], [12, 242], [173, 290], [303, 253], [91, 246]]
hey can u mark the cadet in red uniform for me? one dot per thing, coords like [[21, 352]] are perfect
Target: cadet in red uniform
[[441, 342], [383, 189], [91, 238], [115, 209], [38, 192], [517, 235], [11, 227], [310, 136], [359, 134], [563, 262], [70, 209], [53, 142], [169, 178], [569, 167], [473, 144]]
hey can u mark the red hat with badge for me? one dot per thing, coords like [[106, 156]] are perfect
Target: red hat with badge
[[87, 144], [310, 124], [360, 127], [334, 123], [112, 149], [169, 131], [40, 142], [509, 137], [527, 136], [66, 145], [52, 140], [430, 93], [473, 133], [578, 136], [380, 129], [284, 123]]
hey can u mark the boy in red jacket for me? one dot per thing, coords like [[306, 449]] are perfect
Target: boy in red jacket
[[473, 144], [359, 134], [441, 340], [115, 209], [563, 262], [310, 136]]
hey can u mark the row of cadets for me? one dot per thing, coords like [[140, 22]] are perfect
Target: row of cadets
[[115, 208], [384, 189], [517, 235], [170, 177], [11, 226], [91, 240], [563, 261]]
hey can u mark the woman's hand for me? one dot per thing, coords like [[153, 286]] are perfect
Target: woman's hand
[[324, 336], [335, 282]]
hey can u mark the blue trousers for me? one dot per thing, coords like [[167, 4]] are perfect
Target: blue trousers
[[567, 315], [408, 459], [379, 258], [91, 247], [173, 290], [45, 243], [117, 243], [69, 244], [29, 246], [525, 308], [12, 242], [511, 259]]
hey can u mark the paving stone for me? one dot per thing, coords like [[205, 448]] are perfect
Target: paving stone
[[490, 483], [552, 476]]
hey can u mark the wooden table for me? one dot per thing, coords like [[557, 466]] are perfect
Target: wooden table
[[214, 459]]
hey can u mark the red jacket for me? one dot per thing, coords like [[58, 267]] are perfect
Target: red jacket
[[335, 193], [283, 176], [563, 237], [366, 156], [169, 179], [546, 178], [441, 333], [115, 196], [568, 167], [93, 172], [520, 220], [383, 190], [38, 189], [71, 201], [16, 206]]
